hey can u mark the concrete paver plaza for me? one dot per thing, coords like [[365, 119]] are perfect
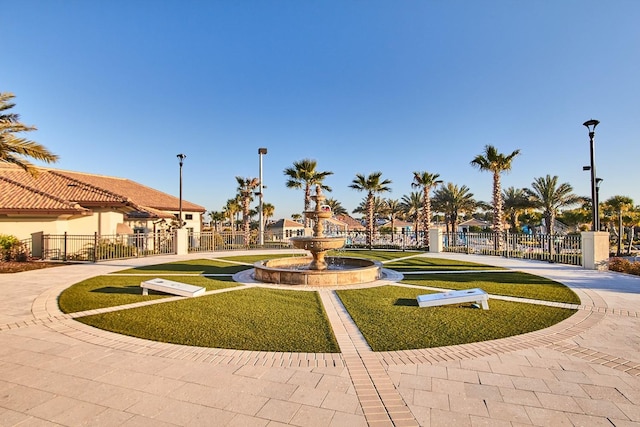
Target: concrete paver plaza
[[584, 371]]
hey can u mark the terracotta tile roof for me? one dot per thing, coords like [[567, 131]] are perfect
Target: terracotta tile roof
[[78, 192], [286, 223], [351, 222]]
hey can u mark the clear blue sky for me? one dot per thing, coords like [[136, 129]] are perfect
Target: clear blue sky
[[120, 87]]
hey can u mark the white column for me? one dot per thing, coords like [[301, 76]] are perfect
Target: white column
[[435, 240], [181, 241], [595, 250]]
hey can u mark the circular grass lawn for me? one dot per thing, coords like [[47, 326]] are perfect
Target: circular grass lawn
[[261, 319]]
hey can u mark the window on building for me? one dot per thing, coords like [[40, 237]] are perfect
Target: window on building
[[188, 216]]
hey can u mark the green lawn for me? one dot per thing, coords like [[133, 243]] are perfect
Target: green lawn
[[111, 291], [436, 264], [511, 283], [248, 319], [390, 319], [288, 320]]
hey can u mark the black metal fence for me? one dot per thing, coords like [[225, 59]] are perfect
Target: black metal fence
[[564, 249], [95, 247]]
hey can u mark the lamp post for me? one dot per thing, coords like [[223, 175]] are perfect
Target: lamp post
[[595, 215], [181, 157], [261, 151]]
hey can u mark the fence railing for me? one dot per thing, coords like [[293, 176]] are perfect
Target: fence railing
[[209, 241], [74, 247], [565, 249]]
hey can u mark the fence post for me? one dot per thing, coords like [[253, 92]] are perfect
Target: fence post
[[64, 247], [595, 250], [95, 246]]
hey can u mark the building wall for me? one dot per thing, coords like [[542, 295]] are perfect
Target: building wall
[[22, 227]]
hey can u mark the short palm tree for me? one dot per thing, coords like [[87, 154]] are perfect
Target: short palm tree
[[216, 218], [303, 174], [246, 187], [515, 201], [393, 211], [372, 184], [426, 181], [411, 208], [267, 212], [14, 149], [231, 209], [453, 201], [496, 163], [336, 206], [548, 196], [618, 207]]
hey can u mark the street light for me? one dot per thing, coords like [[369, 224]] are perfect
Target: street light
[[181, 157], [261, 151], [595, 215]]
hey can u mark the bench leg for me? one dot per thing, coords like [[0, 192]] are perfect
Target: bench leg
[[145, 291], [485, 304]]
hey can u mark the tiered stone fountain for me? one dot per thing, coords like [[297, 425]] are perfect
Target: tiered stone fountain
[[318, 270]]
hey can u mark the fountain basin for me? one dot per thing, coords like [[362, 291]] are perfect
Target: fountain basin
[[293, 271]]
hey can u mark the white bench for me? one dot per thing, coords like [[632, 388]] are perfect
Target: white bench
[[475, 295], [171, 287]]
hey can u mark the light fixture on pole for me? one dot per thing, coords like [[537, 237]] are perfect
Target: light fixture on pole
[[181, 157], [261, 151], [595, 214]]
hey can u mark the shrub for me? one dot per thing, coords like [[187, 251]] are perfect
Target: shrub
[[624, 266], [12, 249]]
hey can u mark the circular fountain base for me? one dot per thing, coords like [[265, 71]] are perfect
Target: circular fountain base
[[342, 271]]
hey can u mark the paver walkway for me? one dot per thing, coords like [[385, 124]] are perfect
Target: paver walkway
[[583, 371]]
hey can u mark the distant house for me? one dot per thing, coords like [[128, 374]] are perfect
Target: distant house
[[465, 226], [59, 201], [352, 224], [284, 229]]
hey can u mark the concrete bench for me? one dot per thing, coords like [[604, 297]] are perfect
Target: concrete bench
[[171, 287], [475, 295]]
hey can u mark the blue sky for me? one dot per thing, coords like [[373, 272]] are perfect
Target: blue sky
[[121, 87]]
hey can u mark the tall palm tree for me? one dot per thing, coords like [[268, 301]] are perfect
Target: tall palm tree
[[496, 163], [548, 196], [618, 206], [303, 174], [426, 181], [453, 201], [372, 184], [515, 201], [246, 186], [13, 148]]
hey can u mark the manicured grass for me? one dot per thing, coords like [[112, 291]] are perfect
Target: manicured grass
[[390, 319], [284, 320], [512, 283], [111, 291], [440, 264], [248, 319], [374, 254], [195, 266]]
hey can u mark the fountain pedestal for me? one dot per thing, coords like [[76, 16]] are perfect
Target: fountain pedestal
[[318, 244]]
